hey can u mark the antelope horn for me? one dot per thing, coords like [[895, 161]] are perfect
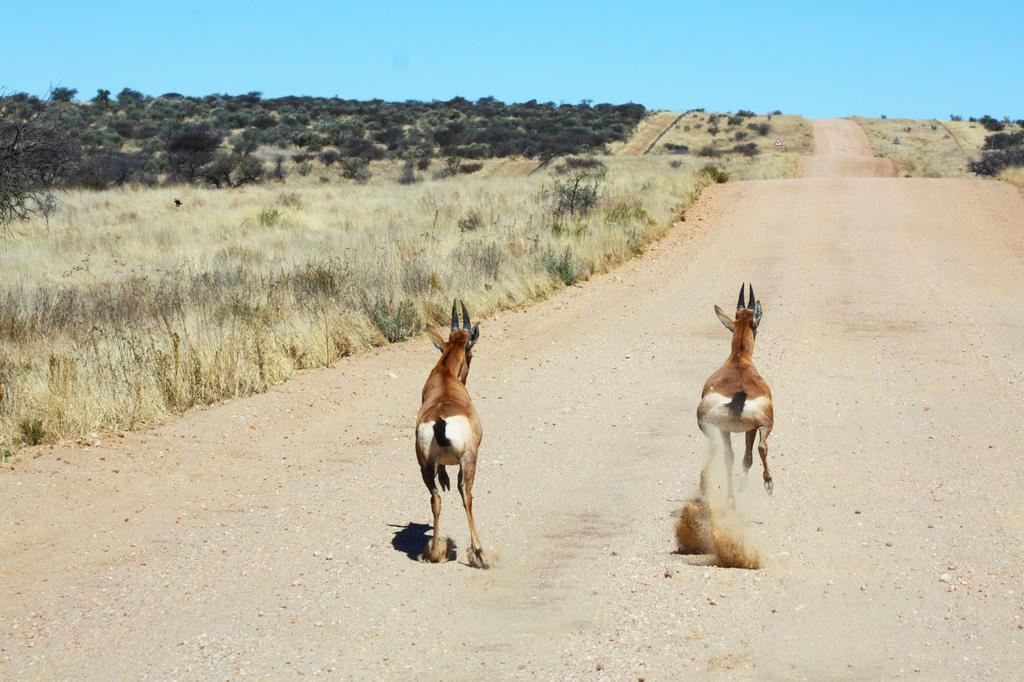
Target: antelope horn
[[750, 303], [455, 317], [465, 318], [741, 304]]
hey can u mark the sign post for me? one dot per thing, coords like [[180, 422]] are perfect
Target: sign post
[[778, 144]]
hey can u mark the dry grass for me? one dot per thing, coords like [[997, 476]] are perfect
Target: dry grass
[[123, 309], [1014, 175], [928, 148], [699, 130]]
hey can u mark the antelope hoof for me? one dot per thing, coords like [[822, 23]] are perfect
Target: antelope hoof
[[477, 558], [769, 486], [438, 551]]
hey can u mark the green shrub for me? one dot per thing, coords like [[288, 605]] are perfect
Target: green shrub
[[714, 174], [563, 265], [31, 431], [269, 217]]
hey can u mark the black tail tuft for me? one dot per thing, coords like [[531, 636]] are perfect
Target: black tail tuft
[[442, 439], [736, 404]]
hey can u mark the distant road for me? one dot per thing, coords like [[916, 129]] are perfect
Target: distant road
[[647, 133]]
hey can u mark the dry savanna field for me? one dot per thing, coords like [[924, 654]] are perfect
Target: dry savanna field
[[120, 308], [932, 148]]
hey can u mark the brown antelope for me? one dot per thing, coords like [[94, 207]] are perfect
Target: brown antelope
[[448, 431], [735, 397]]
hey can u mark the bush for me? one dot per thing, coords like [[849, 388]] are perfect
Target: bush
[[232, 170], [714, 174], [1004, 140], [269, 217], [35, 153], [745, 113], [577, 187], [759, 128], [106, 170], [563, 265], [747, 149], [709, 151], [396, 320], [190, 150], [355, 168], [993, 162], [278, 172], [990, 123], [472, 221], [589, 164], [408, 176], [676, 148], [31, 431], [329, 156]]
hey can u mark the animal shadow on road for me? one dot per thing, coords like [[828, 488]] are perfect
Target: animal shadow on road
[[411, 539]]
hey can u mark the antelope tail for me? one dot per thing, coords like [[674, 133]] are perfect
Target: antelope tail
[[735, 405], [442, 439]]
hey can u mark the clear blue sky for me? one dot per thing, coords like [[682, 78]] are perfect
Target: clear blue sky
[[920, 59]]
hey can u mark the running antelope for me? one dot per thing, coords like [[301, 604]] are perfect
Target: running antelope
[[448, 431], [735, 397]]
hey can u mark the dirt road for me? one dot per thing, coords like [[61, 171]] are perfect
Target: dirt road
[[842, 149], [273, 536], [647, 133]]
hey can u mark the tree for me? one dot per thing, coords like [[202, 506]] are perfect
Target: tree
[[232, 170], [35, 152], [102, 96], [128, 96], [63, 94], [190, 150]]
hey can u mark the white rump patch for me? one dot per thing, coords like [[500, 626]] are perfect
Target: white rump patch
[[456, 430], [715, 407]]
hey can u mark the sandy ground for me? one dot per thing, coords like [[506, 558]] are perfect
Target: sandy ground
[[273, 536]]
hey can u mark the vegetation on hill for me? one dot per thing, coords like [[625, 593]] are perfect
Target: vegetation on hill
[[132, 137], [955, 148]]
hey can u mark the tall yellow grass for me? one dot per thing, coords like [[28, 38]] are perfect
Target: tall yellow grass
[[121, 308]]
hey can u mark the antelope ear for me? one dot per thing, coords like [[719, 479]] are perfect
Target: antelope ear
[[726, 320], [436, 338], [473, 337], [757, 314]]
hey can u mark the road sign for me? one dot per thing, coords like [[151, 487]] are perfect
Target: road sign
[[895, 140], [778, 143]]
